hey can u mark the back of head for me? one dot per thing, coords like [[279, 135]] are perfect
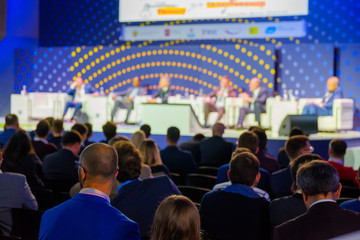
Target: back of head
[[198, 137], [240, 150], [129, 161], [295, 131], [243, 169], [294, 145], [137, 138], [118, 139], [317, 177], [295, 165], [89, 127], [50, 121], [249, 140], [150, 152], [80, 128], [109, 130], [337, 148], [42, 129], [11, 120], [218, 129], [176, 218], [147, 130], [261, 136], [100, 161], [58, 126], [70, 138], [173, 134]]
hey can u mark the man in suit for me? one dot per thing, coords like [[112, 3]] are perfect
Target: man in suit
[[77, 92], [14, 193], [163, 92], [139, 199], [41, 146], [89, 215], [256, 99], [11, 126], [82, 130], [60, 166], [109, 130], [215, 101], [216, 151], [125, 99], [325, 107], [337, 151], [281, 181], [89, 134], [193, 146], [288, 207], [324, 219], [58, 129], [177, 160], [236, 210]]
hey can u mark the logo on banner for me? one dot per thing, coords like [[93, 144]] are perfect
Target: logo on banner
[[232, 32], [209, 32], [253, 30], [167, 32], [135, 33], [270, 30]]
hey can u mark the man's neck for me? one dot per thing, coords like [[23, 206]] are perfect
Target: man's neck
[[56, 134], [313, 199], [171, 144], [70, 149], [103, 187]]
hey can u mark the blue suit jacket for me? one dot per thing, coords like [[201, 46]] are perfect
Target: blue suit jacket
[[5, 136], [281, 182], [329, 104], [177, 160], [87, 217], [88, 90]]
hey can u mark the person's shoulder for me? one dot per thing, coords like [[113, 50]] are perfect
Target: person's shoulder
[[350, 203], [279, 172], [12, 177]]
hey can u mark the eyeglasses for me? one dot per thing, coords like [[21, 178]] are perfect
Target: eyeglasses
[[79, 165]]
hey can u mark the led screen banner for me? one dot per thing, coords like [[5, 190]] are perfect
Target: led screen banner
[[157, 10]]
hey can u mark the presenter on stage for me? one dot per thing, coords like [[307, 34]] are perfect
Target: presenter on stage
[[257, 100], [125, 99], [325, 107], [77, 91], [215, 101], [163, 92]]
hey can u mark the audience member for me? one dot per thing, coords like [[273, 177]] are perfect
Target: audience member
[[151, 156], [41, 146], [19, 157], [337, 151], [354, 204], [58, 128], [89, 215], [237, 209], [177, 160], [89, 134], [282, 157], [176, 218], [50, 120], [216, 151], [320, 187], [118, 139], [139, 199], [193, 146], [14, 193], [11, 126], [137, 138], [147, 130], [82, 130], [109, 130], [267, 161], [286, 208], [60, 166], [281, 181], [215, 101]]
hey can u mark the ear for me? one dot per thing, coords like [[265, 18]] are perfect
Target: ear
[[305, 197], [257, 150], [330, 152], [338, 191], [257, 179], [228, 174]]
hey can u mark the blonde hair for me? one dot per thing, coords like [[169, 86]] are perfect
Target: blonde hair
[[150, 153], [176, 218], [137, 138]]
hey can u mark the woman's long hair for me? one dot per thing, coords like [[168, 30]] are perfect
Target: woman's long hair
[[176, 218], [150, 153]]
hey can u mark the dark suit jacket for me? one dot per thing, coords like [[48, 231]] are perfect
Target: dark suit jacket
[[267, 161], [283, 158], [286, 208], [215, 151], [138, 200], [281, 182], [164, 95], [56, 141], [329, 103], [193, 147], [177, 160], [261, 99], [42, 149], [227, 215], [322, 221]]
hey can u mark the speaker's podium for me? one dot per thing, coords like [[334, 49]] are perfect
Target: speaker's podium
[[162, 116], [307, 123]]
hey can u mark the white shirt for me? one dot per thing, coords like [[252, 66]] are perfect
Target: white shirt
[[322, 200], [95, 192]]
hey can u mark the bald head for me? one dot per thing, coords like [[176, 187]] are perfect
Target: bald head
[[254, 84], [332, 83], [100, 161], [218, 129]]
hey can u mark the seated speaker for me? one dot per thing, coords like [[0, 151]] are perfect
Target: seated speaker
[[308, 123]]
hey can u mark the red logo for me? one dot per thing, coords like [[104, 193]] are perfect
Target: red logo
[[167, 32]]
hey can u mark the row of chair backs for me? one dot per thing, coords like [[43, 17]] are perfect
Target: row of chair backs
[[48, 199]]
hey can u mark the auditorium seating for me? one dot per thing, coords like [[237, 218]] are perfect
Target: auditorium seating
[[208, 170], [194, 193], [26, 223], [200, 180]]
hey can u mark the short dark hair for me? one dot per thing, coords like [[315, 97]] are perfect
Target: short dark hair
[[173, 134], [317, 177], [42, 128], [50, 121], [338, 147], [118, 139], [294, 144], [243, 168], [70, 138], [129, 161], [261, 136], [80, 128], [147, 130], [198, 137], [249, 140], [240, 150], [11, 119], [295, 131], [295, 165], [89, 128], [109, 130], [58, 126]]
